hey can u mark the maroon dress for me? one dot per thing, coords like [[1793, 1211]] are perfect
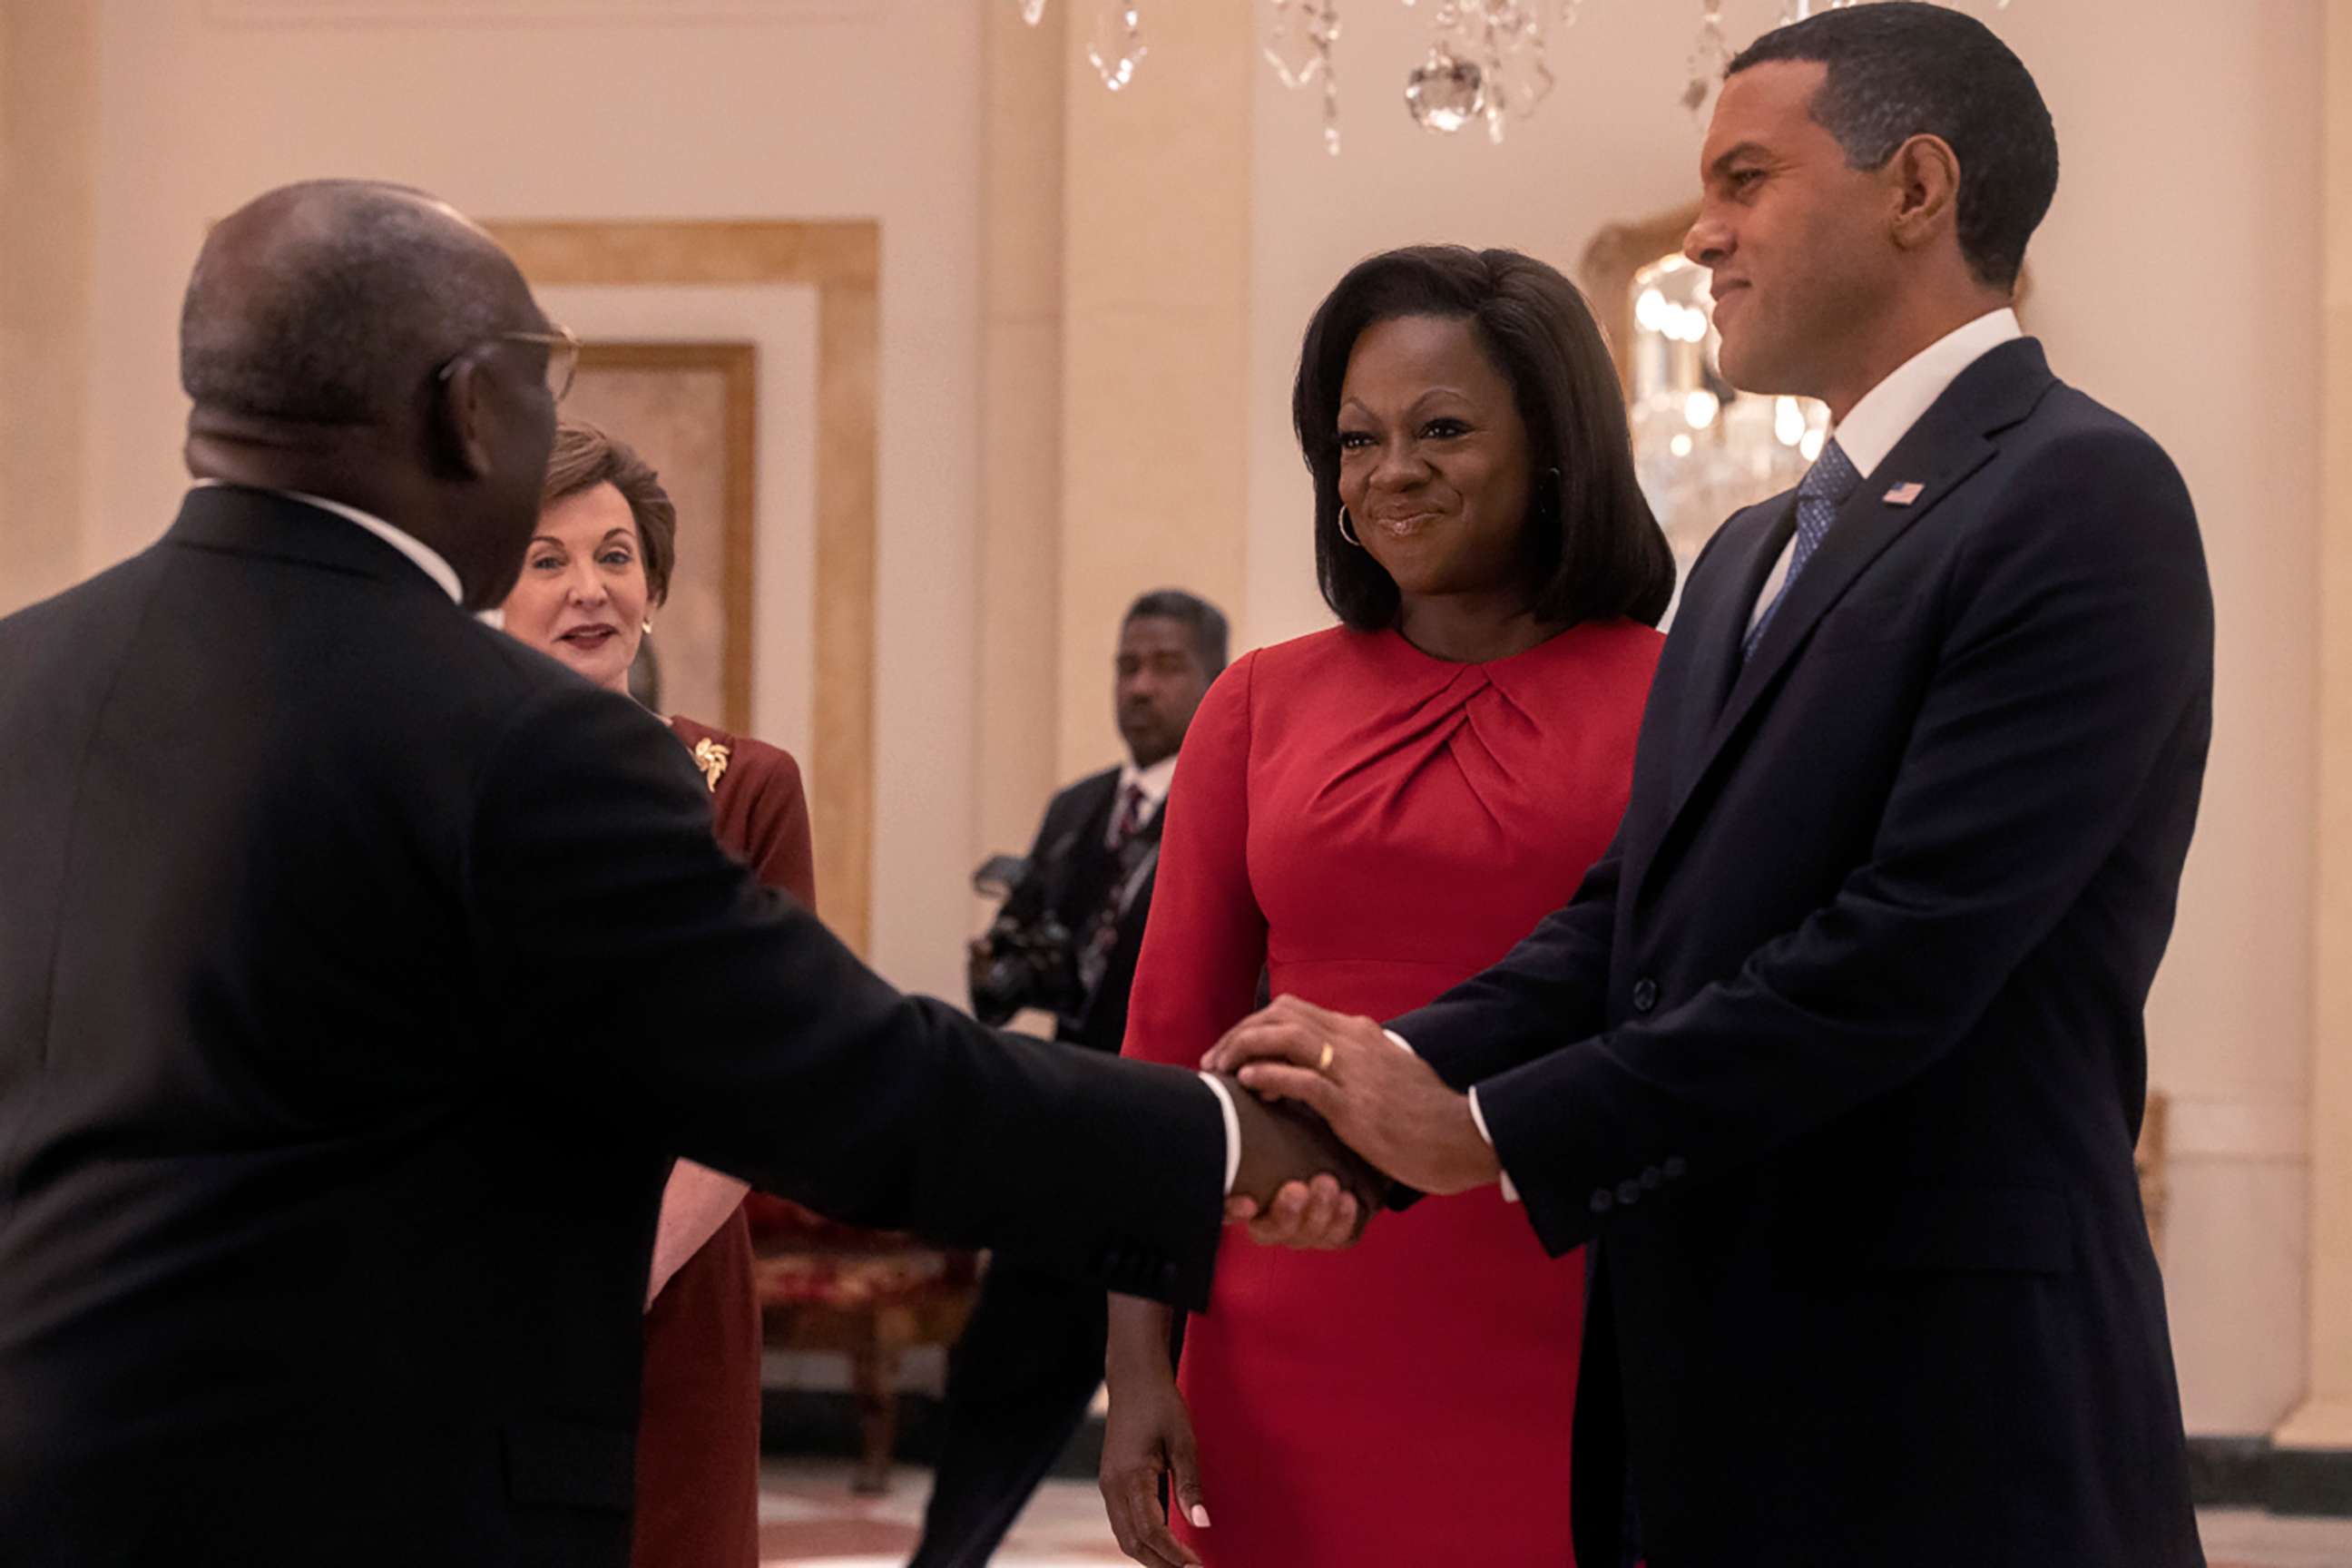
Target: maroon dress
[[697, 1493], [1372, 825]]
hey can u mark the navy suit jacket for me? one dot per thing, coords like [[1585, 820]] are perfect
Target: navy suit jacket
[[361, 972], [1838, 1053]]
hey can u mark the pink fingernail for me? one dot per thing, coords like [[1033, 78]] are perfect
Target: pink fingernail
[[1199, 1516]]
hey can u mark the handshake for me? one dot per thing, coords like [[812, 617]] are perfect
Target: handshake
[[1333, 1110]]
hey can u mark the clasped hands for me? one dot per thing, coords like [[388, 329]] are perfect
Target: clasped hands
[[1378, 1110]]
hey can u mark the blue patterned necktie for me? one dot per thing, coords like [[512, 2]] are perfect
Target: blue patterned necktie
[[1823, 490]]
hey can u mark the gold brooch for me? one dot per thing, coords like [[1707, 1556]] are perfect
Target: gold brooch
[[711, 758]]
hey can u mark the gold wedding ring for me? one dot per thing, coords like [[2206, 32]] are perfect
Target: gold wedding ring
[[1325, 1065]]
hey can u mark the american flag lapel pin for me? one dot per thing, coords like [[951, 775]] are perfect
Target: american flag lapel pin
[[1904, 495]]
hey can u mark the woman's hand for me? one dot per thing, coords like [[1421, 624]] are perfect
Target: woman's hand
[[1148, 1435]]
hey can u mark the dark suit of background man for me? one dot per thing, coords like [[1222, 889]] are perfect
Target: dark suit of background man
[[1838, 1056], [361, 972], [1066, 940]]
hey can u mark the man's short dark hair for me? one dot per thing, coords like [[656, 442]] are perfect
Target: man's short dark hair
[[1592, 548], [1206, 621], [1901, 68]]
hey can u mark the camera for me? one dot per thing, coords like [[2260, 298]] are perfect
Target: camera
[[1021, 965]]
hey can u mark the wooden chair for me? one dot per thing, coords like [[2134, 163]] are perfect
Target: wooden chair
[[869, 1295]]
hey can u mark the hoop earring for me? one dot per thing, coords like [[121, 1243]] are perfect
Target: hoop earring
[[1346, 533]]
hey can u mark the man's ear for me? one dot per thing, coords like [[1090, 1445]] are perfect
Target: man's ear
[[461, 419], [1924, 178]]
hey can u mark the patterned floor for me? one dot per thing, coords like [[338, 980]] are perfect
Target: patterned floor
[[809, 1520]]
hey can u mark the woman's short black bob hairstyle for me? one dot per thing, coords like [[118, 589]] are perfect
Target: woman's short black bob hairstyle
[[1592, 549]]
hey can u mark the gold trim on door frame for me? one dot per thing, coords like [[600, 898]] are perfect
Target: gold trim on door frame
[[841, 260]]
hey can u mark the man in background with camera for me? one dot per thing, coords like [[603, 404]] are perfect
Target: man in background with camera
[[1066, 943]]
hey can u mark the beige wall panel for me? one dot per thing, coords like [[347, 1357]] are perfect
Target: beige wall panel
[[1157, 205], [1017, 673], [48, 125], [2325, 1419]]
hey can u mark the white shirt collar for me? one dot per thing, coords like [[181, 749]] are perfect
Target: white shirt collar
[[429, 560], [1886, 413], [1153, 780]]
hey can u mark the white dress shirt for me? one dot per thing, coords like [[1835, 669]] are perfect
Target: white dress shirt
[[1152, 781], [427, 559], [1887, 411]]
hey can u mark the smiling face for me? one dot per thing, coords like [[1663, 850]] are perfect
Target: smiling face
[[1434, 456], [581, 598], [1799, 242]]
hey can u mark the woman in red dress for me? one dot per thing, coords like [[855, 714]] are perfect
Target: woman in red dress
[[598, 565], [1370, 815]]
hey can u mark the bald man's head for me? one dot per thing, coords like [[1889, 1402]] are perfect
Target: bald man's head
[[366, 344], [330, 302]]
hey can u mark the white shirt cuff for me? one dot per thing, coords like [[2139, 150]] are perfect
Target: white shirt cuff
[[1478, 1117], [1232, 1130], [1510, 1189]]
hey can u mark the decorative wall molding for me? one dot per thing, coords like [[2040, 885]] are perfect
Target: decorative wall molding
[[447, 13], [842, 261]]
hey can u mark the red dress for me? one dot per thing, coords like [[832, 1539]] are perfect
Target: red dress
[[1374, 825], [698, 1489]]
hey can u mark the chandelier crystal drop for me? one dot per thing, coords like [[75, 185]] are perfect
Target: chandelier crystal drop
[[1117, 46], [1487, 60]]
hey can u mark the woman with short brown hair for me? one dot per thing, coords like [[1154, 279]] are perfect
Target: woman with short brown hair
[[598, 566]]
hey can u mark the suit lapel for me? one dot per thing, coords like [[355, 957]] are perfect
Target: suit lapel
[[1948, 443], [1716, 625]]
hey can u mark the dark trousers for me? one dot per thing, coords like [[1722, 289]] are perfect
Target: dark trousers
[[1018, 1385]]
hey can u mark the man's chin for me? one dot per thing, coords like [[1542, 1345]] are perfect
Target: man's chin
[[1757, 371]]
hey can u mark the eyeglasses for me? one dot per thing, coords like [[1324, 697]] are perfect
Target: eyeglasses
[[563, 355]]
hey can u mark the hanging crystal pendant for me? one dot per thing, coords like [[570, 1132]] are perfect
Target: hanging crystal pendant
[[1709, 56], [1117, 45], [1326, 37], [1033, 11], [1518, 76], [1444, 93], [1290, 44]]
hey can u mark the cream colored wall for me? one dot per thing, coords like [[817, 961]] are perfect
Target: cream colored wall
[[1017, 671], [2176, 281], [47, 84], [2325, 1419], [877, 114], [1156, 211]]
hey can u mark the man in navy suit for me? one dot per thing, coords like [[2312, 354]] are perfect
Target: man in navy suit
[[1837, 1058]]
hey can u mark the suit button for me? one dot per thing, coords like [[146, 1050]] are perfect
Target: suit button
[[1652, 1177], [1645, 995], [1629, 1192], [1603, 1202], [1675, 1166], [1167, 1274]]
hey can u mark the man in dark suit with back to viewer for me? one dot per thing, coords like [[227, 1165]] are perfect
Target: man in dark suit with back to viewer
[[1837, 1058], [361, 972]]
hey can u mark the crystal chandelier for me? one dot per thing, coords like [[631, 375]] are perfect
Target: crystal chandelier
[[1486, 62]]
